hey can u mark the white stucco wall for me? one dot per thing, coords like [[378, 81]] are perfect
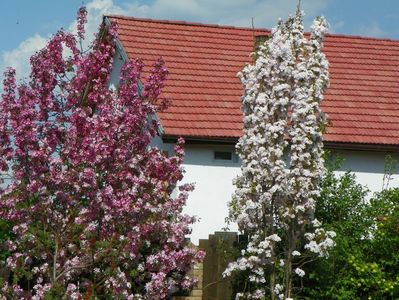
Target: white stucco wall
[[213, 181], [213, 188], [368, 167], [116, 69]]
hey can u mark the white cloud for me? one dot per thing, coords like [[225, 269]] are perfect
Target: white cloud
[[336, 26], [97, 8], [18, 58], [371, 30], [232, 12]]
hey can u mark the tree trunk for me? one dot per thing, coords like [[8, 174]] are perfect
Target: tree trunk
[[272, 283], [288, 263]]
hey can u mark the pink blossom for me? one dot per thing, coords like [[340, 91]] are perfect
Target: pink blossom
[[90, 201], [82, 20]]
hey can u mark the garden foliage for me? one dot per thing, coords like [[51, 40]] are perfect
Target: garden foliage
[[364, 264]]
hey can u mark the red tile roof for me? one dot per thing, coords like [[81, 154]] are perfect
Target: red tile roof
[[362, 102]]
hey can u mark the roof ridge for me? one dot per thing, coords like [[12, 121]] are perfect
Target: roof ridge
[[181, 22], [189, 23]]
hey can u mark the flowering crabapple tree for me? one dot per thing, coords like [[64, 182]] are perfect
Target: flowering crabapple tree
[[282, 165], [89, 200]]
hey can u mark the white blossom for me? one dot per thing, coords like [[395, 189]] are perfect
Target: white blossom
[[299, 272], [282, 153], [296, 253]]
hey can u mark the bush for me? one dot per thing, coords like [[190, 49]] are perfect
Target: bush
[[365, 262]]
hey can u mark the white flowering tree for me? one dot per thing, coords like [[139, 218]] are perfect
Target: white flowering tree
[[282, 165]]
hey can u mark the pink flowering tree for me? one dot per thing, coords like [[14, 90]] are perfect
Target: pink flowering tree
[[282, 164], [88, 199]]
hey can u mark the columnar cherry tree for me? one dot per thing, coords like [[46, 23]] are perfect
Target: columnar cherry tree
[[88, 198], [282, 165]]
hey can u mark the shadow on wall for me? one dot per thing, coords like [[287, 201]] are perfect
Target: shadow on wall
[[225, 156], [212, 155], [365, 161]]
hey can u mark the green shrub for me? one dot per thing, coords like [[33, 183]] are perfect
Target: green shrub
[[5, 234], [365, 262]]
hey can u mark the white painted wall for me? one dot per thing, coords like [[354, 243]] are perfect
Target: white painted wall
[[368, 167], [213, 181], [116, 69], [213, 188]]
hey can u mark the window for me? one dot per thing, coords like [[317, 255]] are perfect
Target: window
[[223, 155]]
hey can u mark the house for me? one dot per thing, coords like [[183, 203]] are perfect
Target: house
[[362, 102]]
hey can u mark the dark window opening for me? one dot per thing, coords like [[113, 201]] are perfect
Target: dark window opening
[[223, 155]]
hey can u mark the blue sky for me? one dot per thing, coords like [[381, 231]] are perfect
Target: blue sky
[[26, 24]]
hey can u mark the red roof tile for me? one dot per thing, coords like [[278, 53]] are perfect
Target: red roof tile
[[362, 102]]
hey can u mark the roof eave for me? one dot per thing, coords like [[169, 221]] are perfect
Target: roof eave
[[200, 139], [361, 146], [328, 144], [125, 57], [118, 43]]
